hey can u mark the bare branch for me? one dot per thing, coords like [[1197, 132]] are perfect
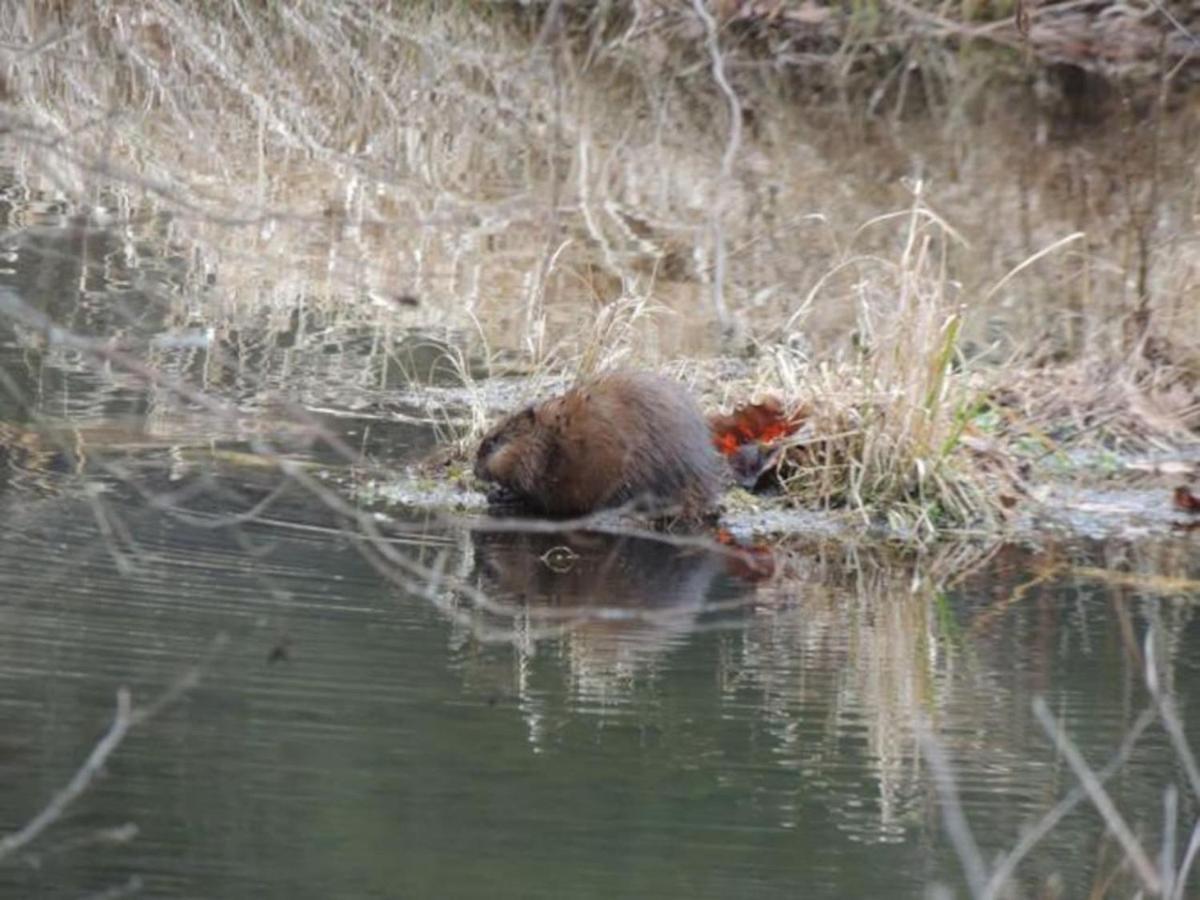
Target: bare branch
[[126, 717], [1142, 863], [79, 783], [732, 145], [953, 818]]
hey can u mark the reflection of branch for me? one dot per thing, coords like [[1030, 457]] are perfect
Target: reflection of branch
[[1144, 582], [995, 611], [110, 528], [1141, 581], [12, 305], [605, 521], [126, 718]]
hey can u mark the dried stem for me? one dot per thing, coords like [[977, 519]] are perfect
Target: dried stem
[[954, 820], [126, 717], [1142, 864], [732, 145], [79, 783]]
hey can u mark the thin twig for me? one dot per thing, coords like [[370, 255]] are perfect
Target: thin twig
[[1112, 818], [79, 783], [954, 820], [1007, 865], [732, 145], [126, 717]]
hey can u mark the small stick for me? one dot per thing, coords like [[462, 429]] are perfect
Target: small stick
[[1007, 864], [1103, 803], [79, 782], [125, 718], [953, 818], [732, 145]]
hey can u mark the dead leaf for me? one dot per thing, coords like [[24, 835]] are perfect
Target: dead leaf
[[749, 423], [1186, 501]]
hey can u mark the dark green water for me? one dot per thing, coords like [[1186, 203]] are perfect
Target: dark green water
[[741, 741], [629, 719]]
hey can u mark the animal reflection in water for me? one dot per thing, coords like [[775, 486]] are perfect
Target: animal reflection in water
[[619, 597]]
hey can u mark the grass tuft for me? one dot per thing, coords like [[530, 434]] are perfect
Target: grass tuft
[[884, 426]]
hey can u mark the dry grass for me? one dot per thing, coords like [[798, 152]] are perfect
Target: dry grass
[[557, 206], [365, 154], [883, 425]]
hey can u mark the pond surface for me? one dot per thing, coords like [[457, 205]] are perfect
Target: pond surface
[[627, 718], [429, 706]]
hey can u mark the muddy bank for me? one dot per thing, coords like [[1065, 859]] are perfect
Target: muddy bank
[[1088, 492]]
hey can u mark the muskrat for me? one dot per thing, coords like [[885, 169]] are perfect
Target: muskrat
[[624, 438]]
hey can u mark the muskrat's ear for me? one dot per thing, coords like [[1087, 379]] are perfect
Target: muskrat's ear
[[546, 414], [528, 417]]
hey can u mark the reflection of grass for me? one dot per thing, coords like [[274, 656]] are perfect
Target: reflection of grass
[[947, 625], [891, 635]]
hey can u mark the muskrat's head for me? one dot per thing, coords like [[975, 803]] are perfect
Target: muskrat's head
[[513, 457]]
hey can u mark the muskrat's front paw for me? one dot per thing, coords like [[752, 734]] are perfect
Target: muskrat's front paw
[[502, 497]]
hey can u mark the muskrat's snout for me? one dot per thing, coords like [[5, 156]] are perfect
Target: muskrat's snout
[[483, 456], [495, 460], [481, 472], [502, 497], [499, 495]]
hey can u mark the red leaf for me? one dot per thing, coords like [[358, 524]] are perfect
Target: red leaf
[[749, 423], [1186, 501]]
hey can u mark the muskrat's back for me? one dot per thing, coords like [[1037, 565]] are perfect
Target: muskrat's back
[[628, 437]]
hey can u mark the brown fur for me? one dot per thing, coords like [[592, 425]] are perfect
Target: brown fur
[[629, 437]]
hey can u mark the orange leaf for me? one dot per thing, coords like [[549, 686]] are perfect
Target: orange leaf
[[1186, 501], [761, 423]]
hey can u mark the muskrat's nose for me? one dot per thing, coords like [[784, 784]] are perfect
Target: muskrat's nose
[[481, 471]]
